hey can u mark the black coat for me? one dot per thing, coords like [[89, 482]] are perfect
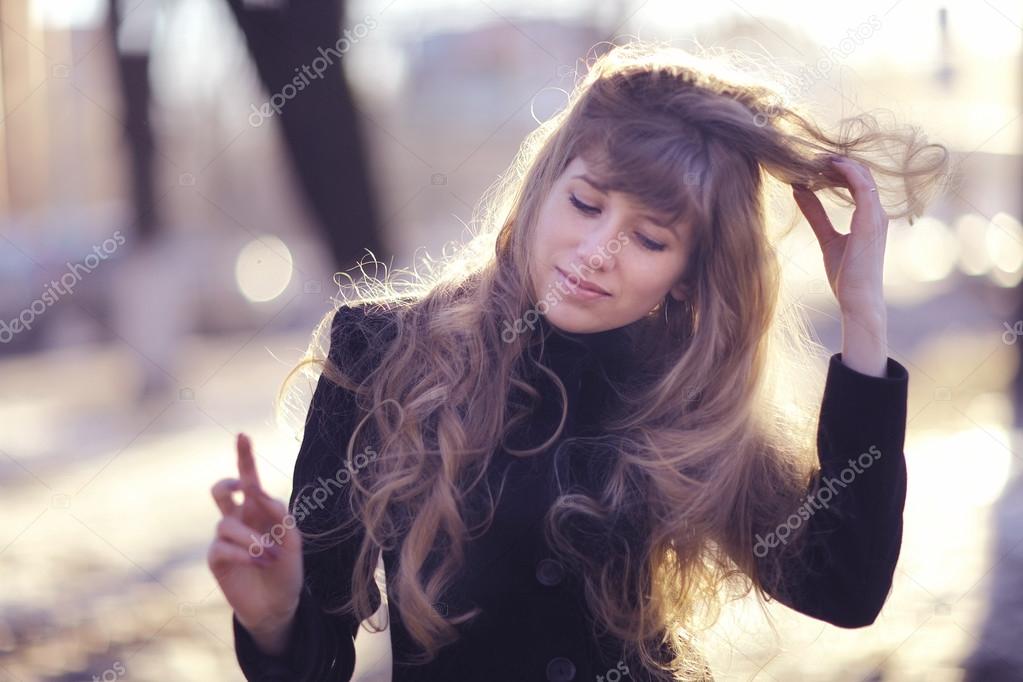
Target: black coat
[[534, 621]]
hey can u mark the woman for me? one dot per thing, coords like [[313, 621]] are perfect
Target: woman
[[597, 422]]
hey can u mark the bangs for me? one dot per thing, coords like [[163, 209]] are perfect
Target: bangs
[[657, 174]]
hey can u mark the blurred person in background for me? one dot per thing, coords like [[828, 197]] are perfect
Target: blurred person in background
[[322, 137]]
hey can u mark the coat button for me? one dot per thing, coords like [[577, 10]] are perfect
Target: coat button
[[550, 572], [560, 669]]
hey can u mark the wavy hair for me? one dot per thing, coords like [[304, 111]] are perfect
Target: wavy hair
[[710, 141]]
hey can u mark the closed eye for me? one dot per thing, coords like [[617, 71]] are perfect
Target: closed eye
[[588, 210], [585, 208]]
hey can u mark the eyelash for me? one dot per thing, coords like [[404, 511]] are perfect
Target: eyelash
[[585, 209]]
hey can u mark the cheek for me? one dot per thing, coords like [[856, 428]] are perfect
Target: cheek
[[549, 226], [558, 233], [647, 282]]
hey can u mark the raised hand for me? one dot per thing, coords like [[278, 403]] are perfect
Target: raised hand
[[256, 555], [854, 262]]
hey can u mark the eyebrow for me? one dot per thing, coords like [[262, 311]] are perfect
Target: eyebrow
[[604, 189]]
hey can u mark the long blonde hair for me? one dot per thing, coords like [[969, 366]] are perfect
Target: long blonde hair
[[705, 141]]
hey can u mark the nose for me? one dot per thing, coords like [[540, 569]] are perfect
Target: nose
[[598, 246]]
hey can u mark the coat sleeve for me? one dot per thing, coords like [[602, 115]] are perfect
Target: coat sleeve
[[843, 573], [321, 645]]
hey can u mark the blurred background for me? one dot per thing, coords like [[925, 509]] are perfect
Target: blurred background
[[180, 180]]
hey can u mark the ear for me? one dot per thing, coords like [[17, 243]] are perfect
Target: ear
[[680, 292]]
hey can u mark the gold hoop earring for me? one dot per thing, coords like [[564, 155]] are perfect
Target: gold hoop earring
[[687, 304]]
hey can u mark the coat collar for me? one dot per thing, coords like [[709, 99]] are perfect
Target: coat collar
[[589, 366], [574, 353], [585, 363]]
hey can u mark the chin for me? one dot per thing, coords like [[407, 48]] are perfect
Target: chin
[[558, 318], [573, 323]]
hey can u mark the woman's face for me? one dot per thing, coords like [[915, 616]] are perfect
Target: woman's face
[[606, 240]]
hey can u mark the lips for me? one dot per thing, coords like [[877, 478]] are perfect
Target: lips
[[583, 284]]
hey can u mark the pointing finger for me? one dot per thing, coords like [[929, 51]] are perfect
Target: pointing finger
[[247, 466]]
